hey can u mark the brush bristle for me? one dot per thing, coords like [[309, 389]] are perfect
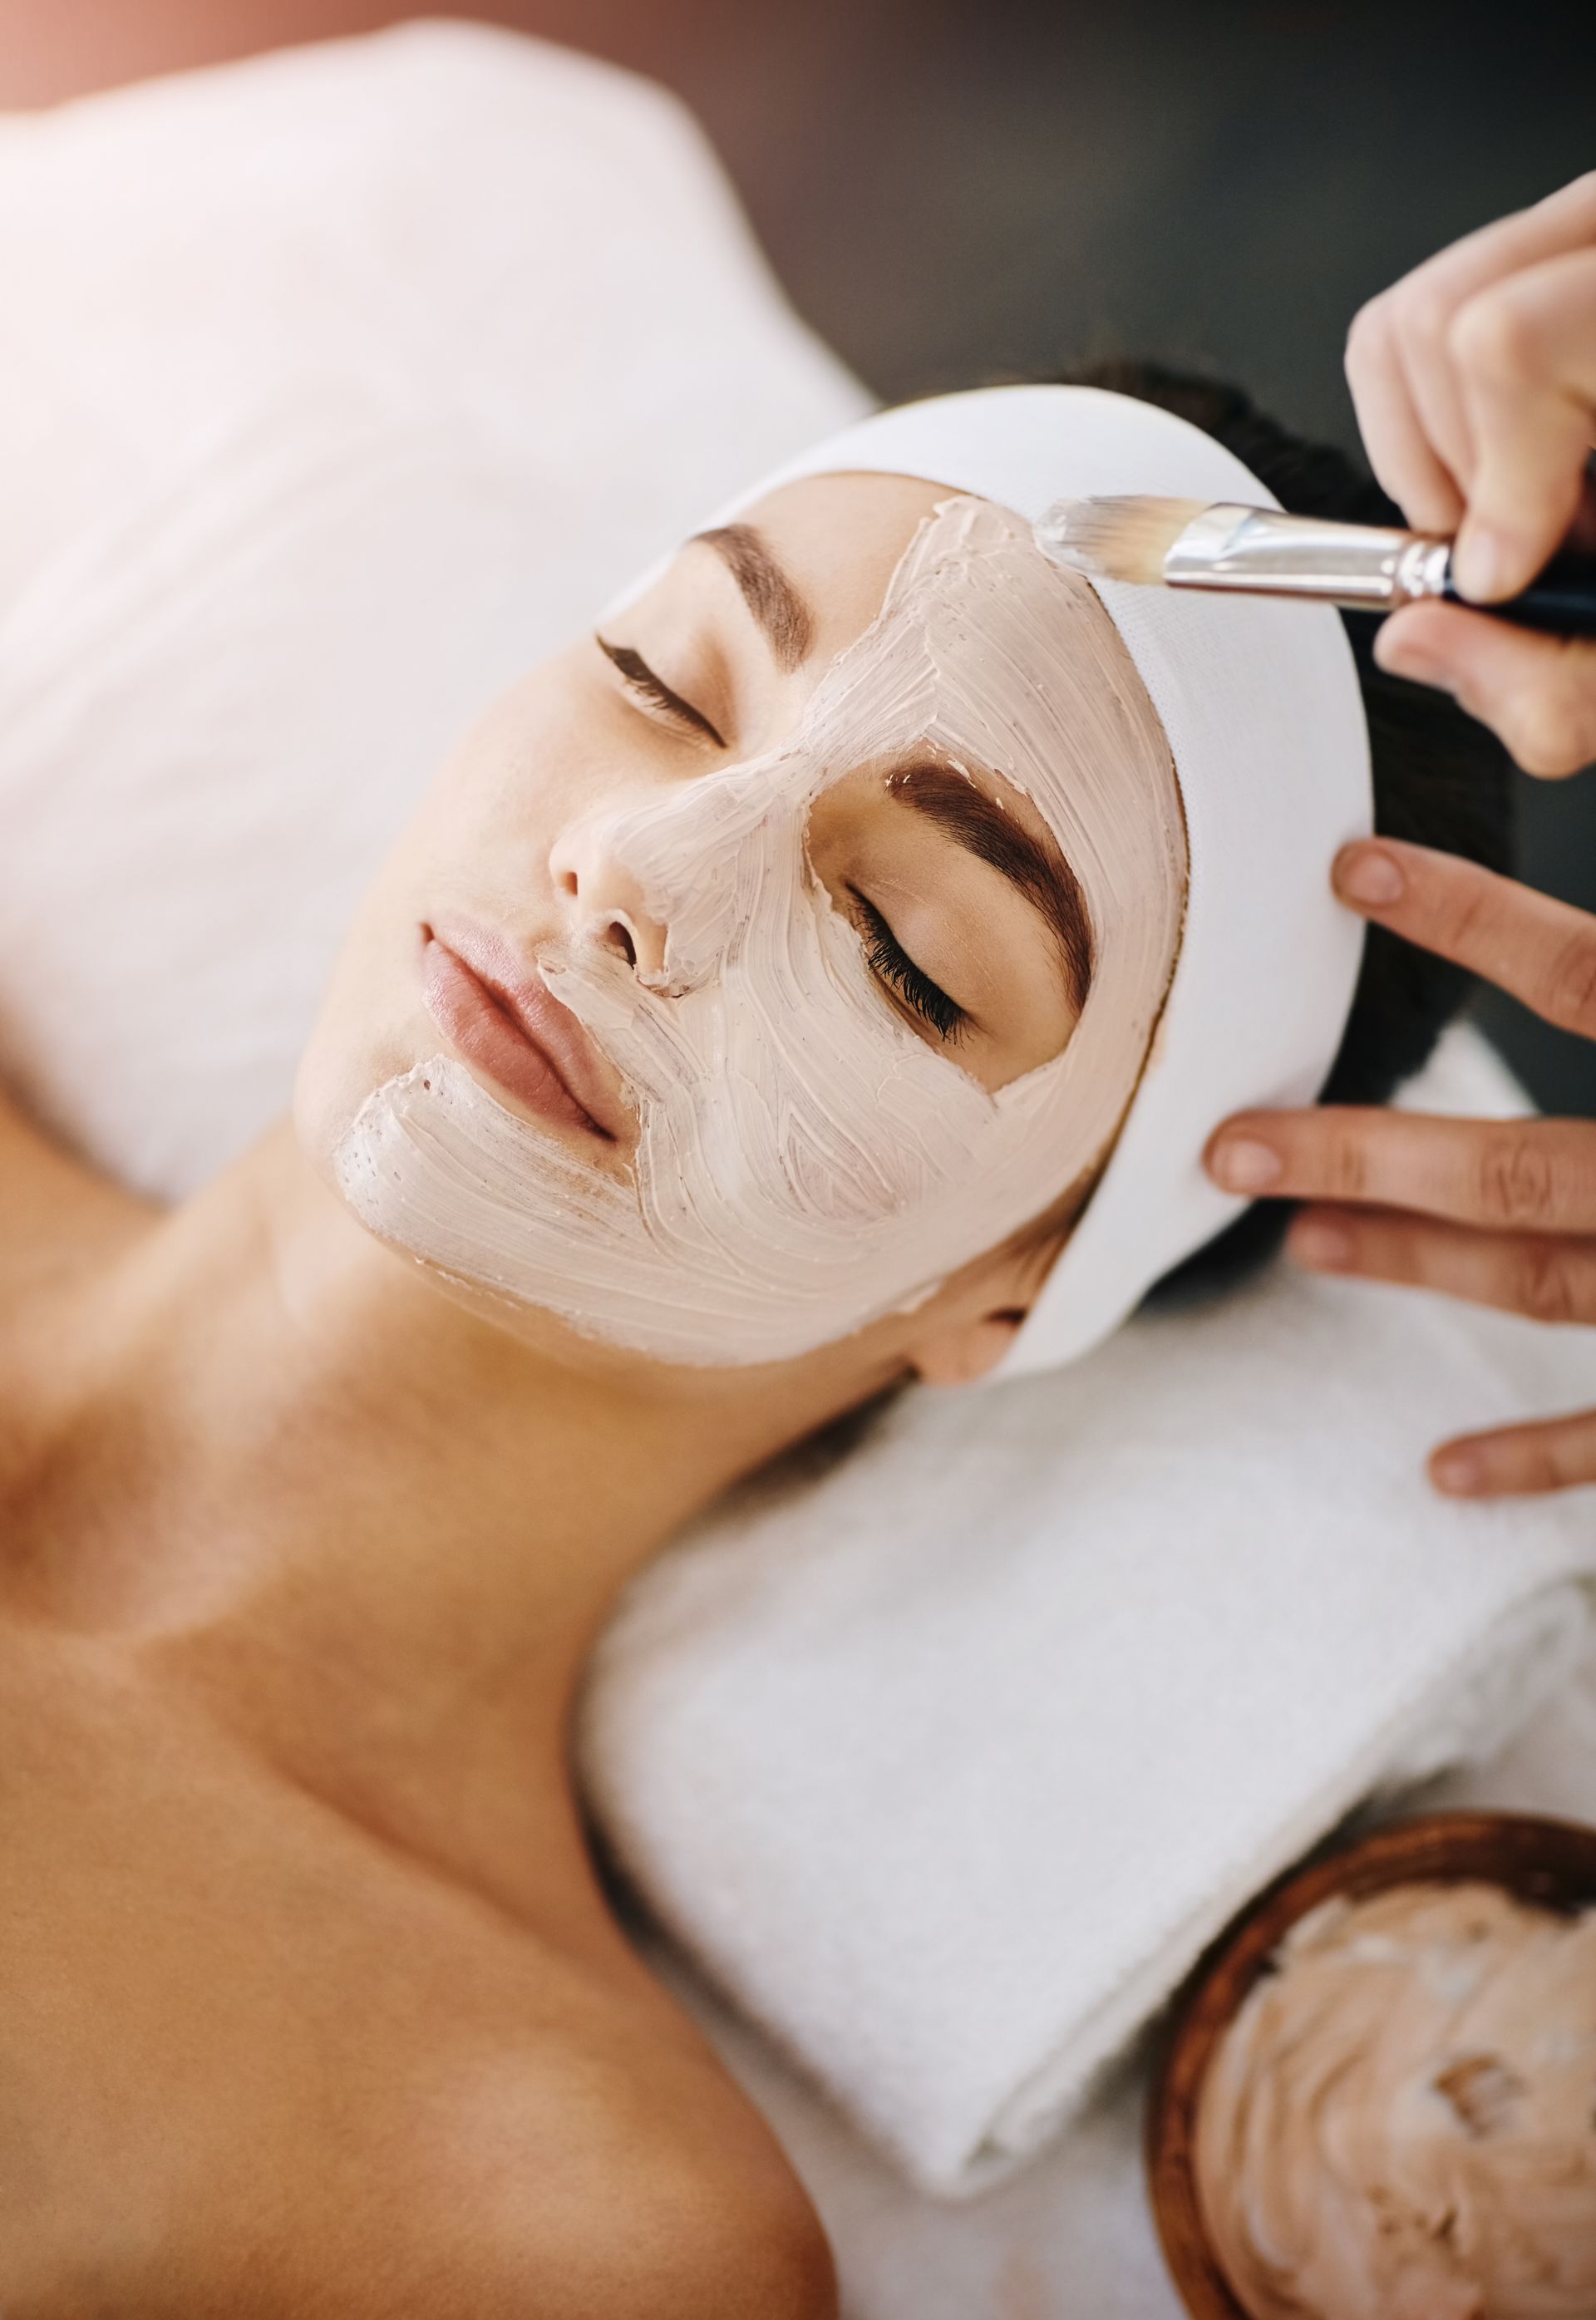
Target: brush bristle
[[1115, 539]]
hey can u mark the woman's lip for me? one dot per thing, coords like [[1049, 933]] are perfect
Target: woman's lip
[[508, 1022]]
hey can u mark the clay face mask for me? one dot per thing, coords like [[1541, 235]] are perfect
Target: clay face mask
[[805, 1163], [1401, 2123]]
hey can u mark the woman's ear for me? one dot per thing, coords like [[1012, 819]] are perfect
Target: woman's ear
[[963, 1333], [961, 1352]]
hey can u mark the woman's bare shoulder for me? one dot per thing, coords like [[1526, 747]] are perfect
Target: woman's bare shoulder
[[603, 2166], [360, 2089], [544, 2174], [622, 2224]]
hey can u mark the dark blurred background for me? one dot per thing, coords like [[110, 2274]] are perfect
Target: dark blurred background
[[957, 189]]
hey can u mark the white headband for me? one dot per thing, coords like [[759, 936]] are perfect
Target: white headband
[[1261, 705]]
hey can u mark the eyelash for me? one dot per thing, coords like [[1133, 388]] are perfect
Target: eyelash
[[636, 673], [892, 963]]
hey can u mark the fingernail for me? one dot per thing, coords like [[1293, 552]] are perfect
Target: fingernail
[[1241, 1166], [1483, 563], [1366, 874], [1317, 1242], [1461, 1474]]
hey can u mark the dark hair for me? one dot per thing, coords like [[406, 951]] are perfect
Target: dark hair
[[1439, 778]]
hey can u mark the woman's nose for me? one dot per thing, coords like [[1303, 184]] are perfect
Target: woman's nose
[[605, 902]]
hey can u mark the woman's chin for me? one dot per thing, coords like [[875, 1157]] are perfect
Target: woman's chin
[[330, 1089]]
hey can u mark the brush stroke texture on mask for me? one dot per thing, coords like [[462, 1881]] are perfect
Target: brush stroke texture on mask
[[805, 1163], [1401, 2123]]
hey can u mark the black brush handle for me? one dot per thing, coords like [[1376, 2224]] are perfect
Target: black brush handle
[[1560, 600]]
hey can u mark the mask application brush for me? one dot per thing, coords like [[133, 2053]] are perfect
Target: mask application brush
[[1158, 543]]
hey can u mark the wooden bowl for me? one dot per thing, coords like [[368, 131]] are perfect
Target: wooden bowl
[[1552, 1862]]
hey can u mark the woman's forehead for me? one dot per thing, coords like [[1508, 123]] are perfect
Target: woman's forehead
[[837, 540]]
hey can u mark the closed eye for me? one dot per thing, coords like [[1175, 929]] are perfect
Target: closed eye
[[654, 688], [890, 964]]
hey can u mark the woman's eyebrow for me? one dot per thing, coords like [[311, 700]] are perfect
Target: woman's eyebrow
[[771, 597], [1033, 865]]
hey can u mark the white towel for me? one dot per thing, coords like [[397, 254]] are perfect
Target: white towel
[[337, 388], [946, 1767], [1071, 2235]]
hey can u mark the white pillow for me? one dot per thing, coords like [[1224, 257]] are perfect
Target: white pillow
[[336, 389]]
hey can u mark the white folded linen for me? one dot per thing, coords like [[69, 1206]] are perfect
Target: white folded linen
[[337, 388], [947, 1766], [1072, 2234], [1069, 2237]]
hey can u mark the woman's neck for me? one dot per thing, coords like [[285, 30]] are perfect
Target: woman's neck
[[375, 1534]]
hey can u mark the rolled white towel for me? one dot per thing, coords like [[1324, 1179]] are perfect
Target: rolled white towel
[[945, 1767]]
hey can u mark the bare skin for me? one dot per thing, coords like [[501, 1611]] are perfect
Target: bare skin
[[312, 2001], [310, 1998], [1501, 1213]]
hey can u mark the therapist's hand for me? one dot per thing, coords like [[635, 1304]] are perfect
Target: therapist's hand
[[1502, 1212], [1474, 378]]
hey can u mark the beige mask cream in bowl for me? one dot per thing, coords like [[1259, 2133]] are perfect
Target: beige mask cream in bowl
[[1379, 2099]]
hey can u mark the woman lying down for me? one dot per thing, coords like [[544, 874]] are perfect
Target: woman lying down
[[826, 974]]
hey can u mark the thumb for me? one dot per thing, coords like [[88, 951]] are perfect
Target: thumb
[[1525, 351]]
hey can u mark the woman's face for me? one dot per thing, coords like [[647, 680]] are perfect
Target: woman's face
[[761, 961]]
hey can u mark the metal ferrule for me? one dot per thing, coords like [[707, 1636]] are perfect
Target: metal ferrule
[[1268, 554]]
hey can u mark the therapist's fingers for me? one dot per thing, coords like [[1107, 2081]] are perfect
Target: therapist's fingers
[[1547, 1276], [1542, 951], [1525, 356], [1409, 466], [1408, 359], [1552, 1453], [1537, 694], [1520, 1175]]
